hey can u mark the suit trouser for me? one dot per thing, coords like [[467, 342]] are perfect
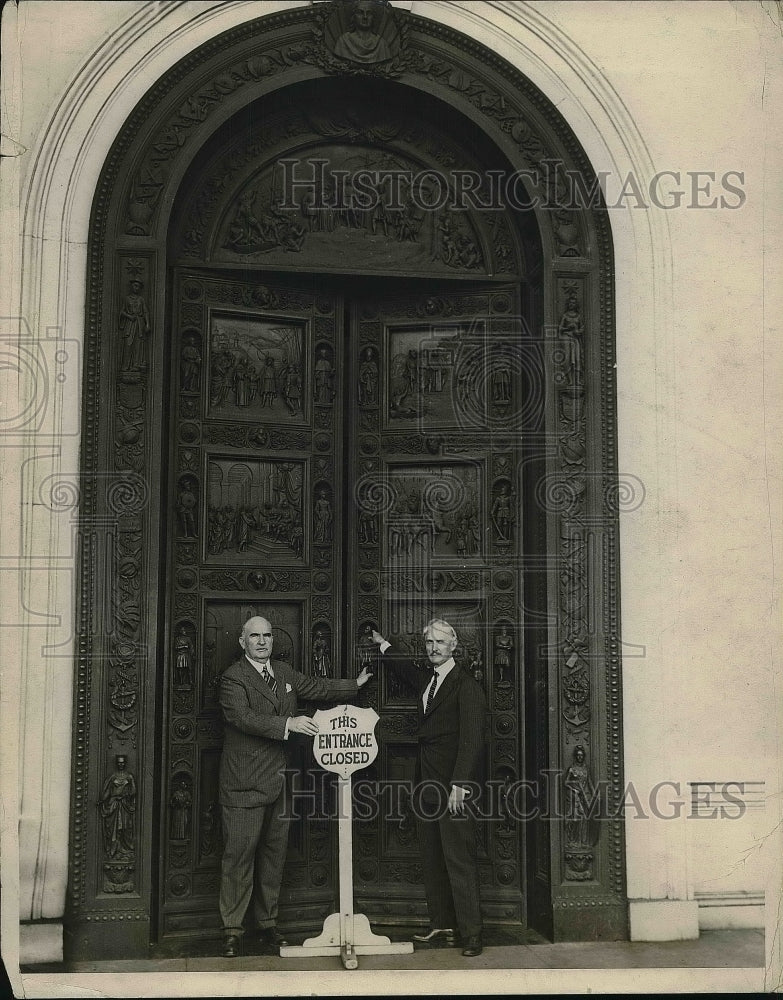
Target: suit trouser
[[451, 881], [255, 842]]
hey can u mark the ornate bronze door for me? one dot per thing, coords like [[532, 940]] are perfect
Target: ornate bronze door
[[335, 476], [439, 389], [256, 398]]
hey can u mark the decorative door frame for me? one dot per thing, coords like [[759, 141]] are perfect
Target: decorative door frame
[[110, 890]]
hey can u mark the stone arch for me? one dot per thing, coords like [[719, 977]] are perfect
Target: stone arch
[[42, 211]]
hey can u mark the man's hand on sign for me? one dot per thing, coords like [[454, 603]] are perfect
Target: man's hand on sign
[[457, 798], [363, 677], [302, 724]]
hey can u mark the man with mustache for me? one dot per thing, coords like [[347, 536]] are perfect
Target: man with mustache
[[452, 713]]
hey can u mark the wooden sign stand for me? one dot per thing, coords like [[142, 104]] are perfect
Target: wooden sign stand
[[346, 933]]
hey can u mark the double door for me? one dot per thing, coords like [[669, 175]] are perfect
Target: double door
[[342, 458]]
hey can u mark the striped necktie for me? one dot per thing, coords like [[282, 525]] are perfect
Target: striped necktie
[[269, 678], [431, 692]]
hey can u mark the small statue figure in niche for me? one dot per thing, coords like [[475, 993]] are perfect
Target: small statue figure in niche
[[190, 366], [367, 527], [322, 519], [477, 667], [180, 804], [367, 649], [501, 382], [368, 380], [211, 679], [134, 328], [210, 840], [183, 662], [324, 379], [502, 515], [363, 43], [186, 510], [571, 329], [579, 795], [504, 645], [321, 658], [507, 822], [117, 806]]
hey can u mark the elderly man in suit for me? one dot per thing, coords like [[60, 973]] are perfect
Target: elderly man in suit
[[258, 696], [452, 736]]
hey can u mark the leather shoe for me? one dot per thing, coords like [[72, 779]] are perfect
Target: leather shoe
[[472, 947], [230, 946], [272, 937], [446, 934]]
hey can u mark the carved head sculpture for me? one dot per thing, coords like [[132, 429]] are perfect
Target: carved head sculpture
[[364, 15], [120, 762], [579, 754]]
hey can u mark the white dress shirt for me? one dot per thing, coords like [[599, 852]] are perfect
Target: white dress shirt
[[441, 672], [262, 668]]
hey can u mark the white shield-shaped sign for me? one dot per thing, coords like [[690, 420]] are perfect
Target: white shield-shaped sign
[[345, 741]]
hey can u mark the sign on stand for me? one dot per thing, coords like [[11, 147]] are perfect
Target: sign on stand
[[346, 743]]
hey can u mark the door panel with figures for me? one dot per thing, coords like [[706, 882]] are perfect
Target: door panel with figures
[[341, 462], [441, 393]]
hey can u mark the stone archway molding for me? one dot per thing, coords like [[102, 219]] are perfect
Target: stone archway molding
[[53, 226]]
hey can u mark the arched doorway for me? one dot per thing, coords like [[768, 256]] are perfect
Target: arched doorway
[[364, 413]]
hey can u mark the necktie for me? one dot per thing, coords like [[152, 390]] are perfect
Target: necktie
[[269, 679], [431, 692]]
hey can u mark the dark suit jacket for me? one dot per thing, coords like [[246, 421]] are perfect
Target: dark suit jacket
[[452, 735], [254, 759]]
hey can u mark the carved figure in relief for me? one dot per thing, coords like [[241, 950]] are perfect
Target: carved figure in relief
[[268, 382], [502, 515], [501, 381], [134, 328], [321, 659], [368, 380], [242, 382], [363, 43], [504, 645], [571, 329], [190, 366], [221, 374], [477, 667], [117, 806], [183, 660], [367, 649], [324, 379], [322, 519], [292, 389], [367, 527], [180, 804], [210, 840], [186, 510], [579, 795]]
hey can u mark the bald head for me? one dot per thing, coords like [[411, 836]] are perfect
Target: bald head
[[256, 639]]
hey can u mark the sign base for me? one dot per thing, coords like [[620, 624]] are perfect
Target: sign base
[[331, 942]]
